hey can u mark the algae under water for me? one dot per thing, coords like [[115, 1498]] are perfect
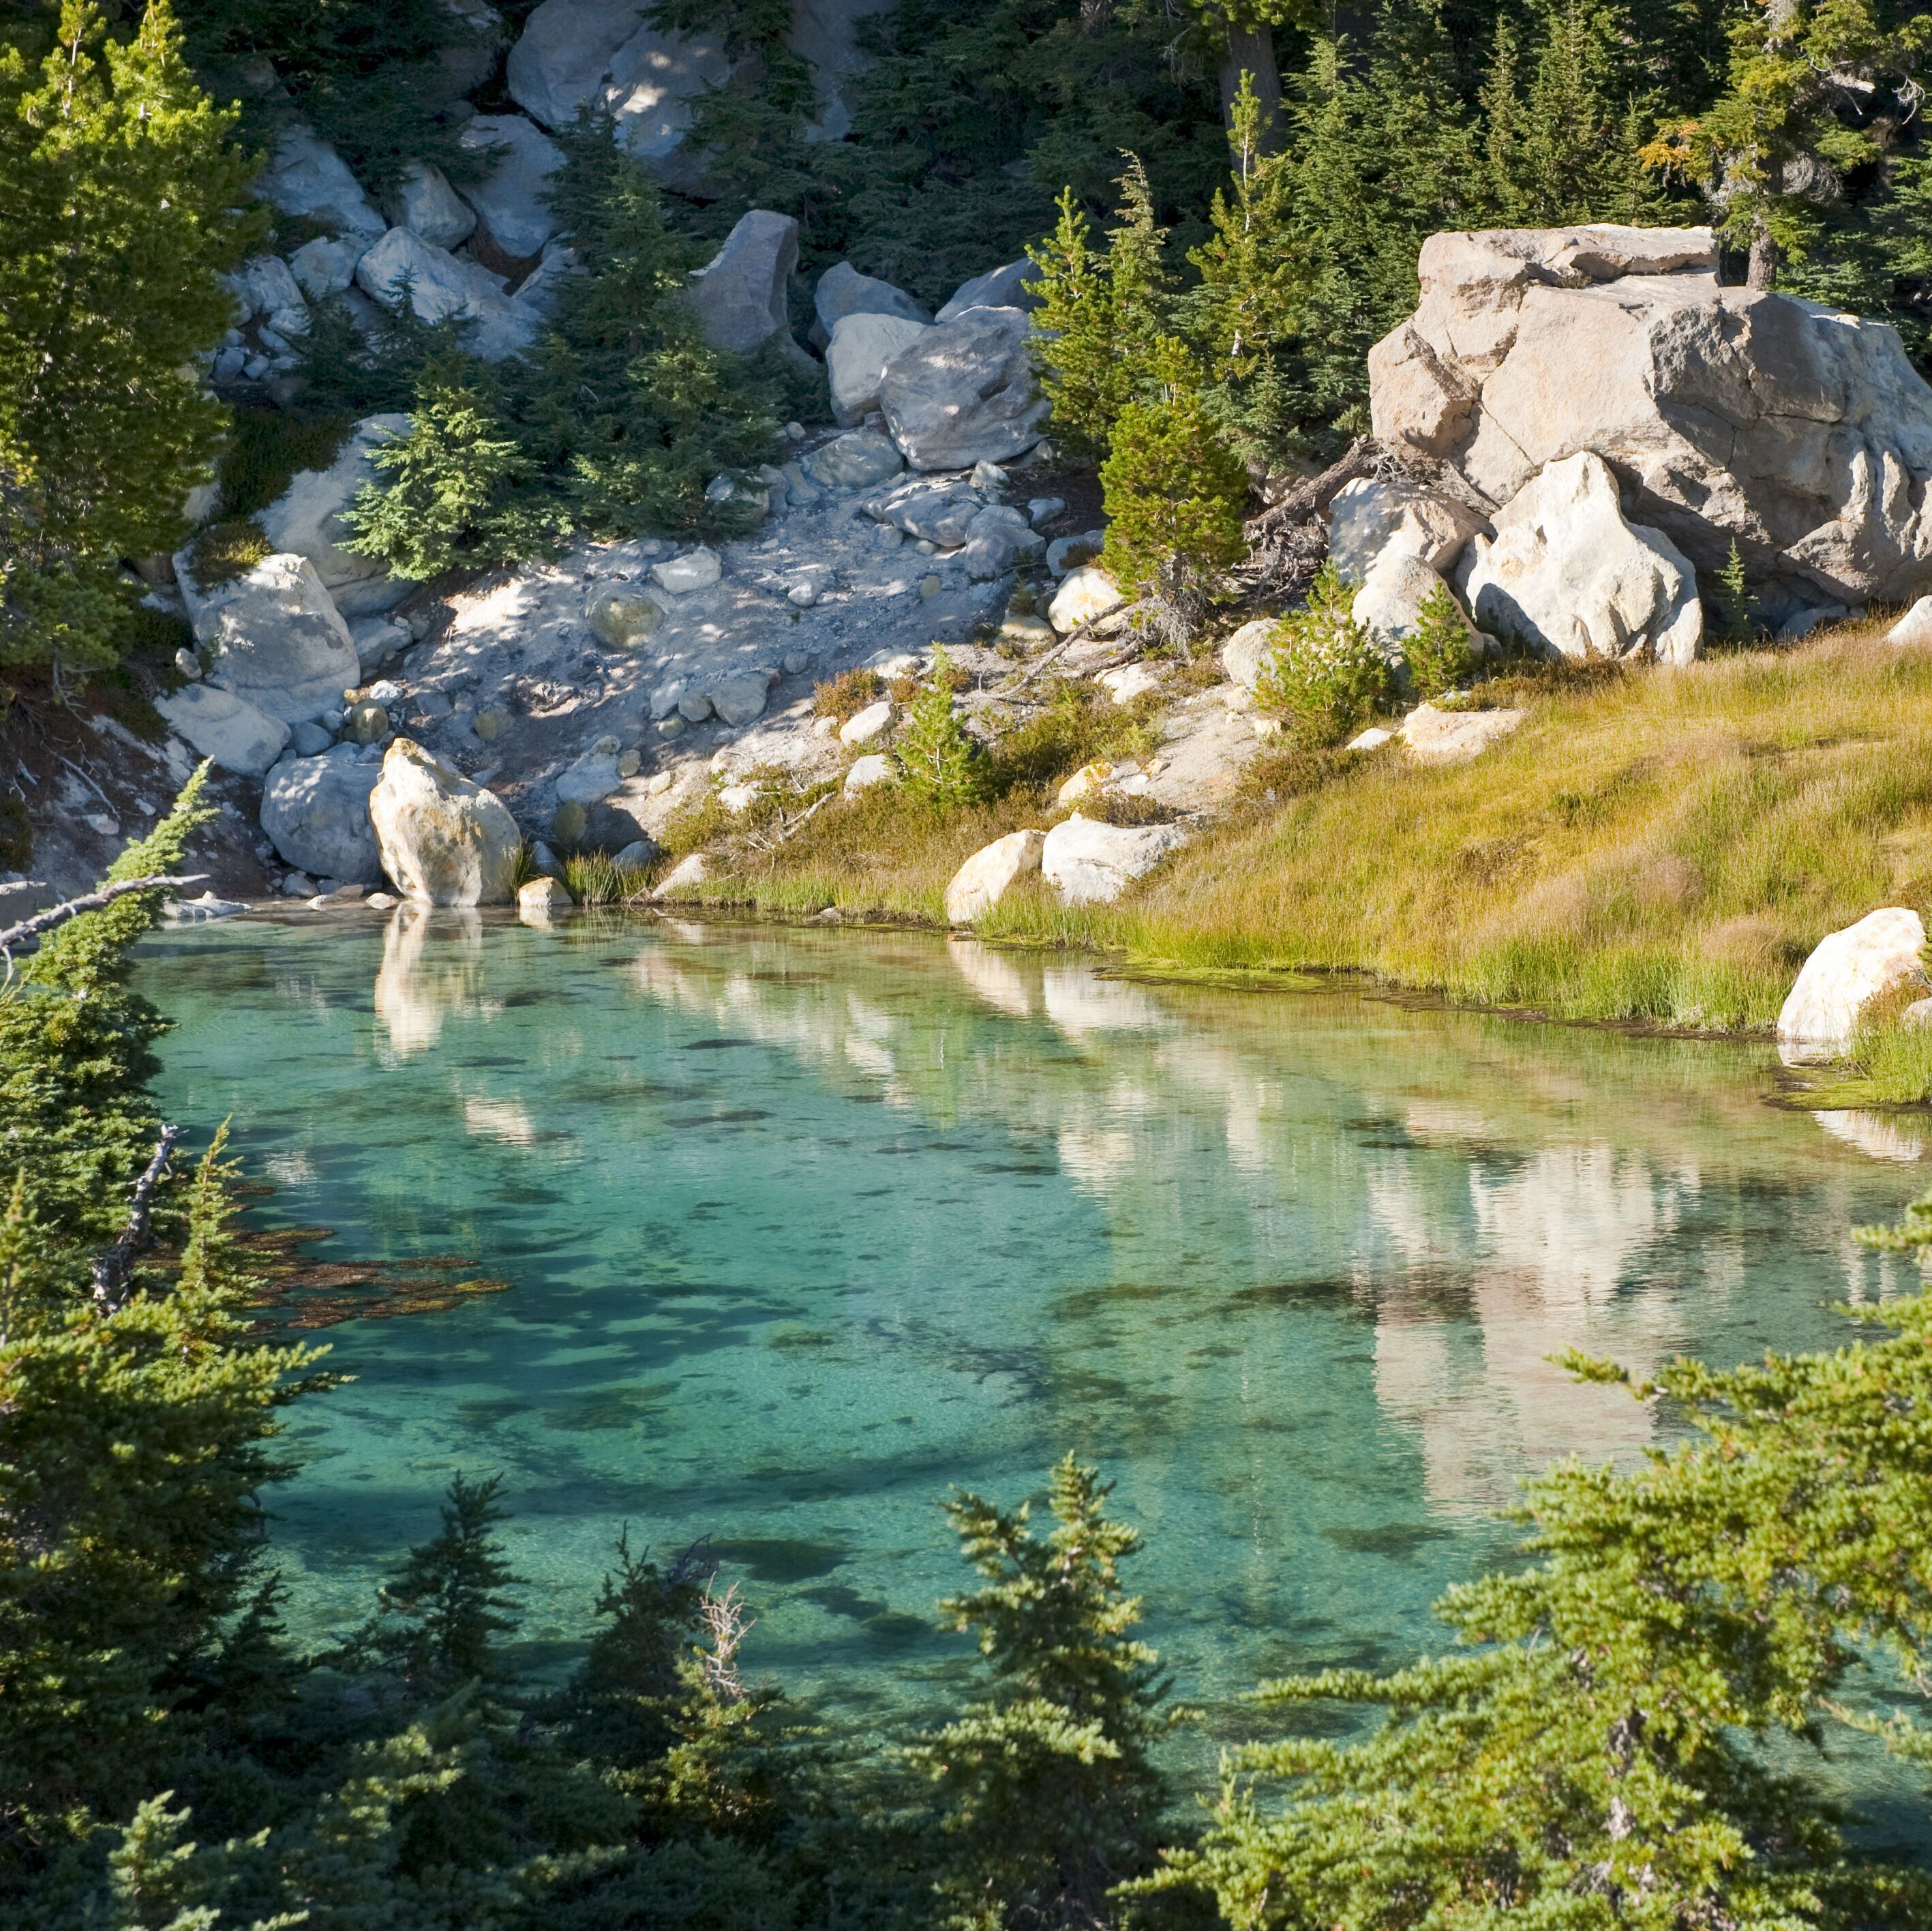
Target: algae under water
[[802, 1227]]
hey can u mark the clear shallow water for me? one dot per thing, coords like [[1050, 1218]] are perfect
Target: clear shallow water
[[804, 1227]]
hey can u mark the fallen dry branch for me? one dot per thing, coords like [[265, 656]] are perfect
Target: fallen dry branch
[[112, 1269], [59, 915]]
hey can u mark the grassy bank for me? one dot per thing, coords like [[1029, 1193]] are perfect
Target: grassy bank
[[1661, 846]]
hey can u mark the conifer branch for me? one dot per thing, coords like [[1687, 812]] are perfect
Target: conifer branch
[[111, 1269], [59, 915]]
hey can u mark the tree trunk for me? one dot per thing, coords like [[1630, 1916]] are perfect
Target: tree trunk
[[1765, 255], [1253, 53]]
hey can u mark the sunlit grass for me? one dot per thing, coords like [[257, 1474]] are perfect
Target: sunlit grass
[[1663, 846]]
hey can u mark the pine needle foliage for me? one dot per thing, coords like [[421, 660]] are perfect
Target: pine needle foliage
[[1048, 1793], [1324, 676], [941, 766], [1439, 650]]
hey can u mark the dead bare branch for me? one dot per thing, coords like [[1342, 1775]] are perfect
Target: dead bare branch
[[59, 915], [112, 1269]]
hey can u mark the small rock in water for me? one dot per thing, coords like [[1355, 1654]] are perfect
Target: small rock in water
[[538, 898], [299, 885], [380, 902]]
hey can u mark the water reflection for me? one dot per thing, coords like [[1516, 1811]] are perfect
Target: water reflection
[[806, 1225]]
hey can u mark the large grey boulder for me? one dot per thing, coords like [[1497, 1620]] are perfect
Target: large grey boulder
[[964, 393], [1370, 517], [509, 200], [843, 291], [739, 296], [316, 811], [424, 203], [1801, 432], [1849, 970], [278, 639], [326, 265], [439, 284], [824, 34], [443, 840], [1090, 862], [862, 345], [266, 287], [229, 729], [855, 460], [306, 520], [306, 176], [600, 54], [998, 288], [1568, 576]]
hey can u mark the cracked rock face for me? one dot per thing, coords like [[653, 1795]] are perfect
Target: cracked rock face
[[1803, 433]]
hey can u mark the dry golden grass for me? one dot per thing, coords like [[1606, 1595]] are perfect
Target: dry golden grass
[[1663, 846]]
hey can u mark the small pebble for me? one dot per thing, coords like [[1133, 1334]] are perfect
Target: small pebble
[[670, 726], [628, 762], [381, 901], [928, 587], [796, 663]]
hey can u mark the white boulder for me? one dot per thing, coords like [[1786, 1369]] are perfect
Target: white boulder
[[1801, 432], [1368, 518], [1567, 575], [1245, 653], [964, 393], [874, 768], [228, 728], [1084, 594], [316, 810], [424, 203], [1848, 971], [1089, 862], [326, 265], [1004, 287], [843, 291], [689, 873], [739, 296], [695, 570], [306, 520], [443, 840], [991, 873], [439, 283], [1451, 737], [1389, 603], [1914, 626], [267, 287], [867, 726], [278, 639], [306, 176], [862, 344], [509, 200]]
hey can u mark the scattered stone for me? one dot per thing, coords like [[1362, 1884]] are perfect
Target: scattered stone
[[1246, 654], [874, 768], [1372, 739], [739, 700], [228, 728], [424, 203], [1068, 553], [1086, 594], [1847, 971], [267, 288], [739, 296], [310, 739], [694, 707], [188, 664], [695, 570], [381, 902], [278, 639], [306, 176], [1801, 623], [511, 199], [855, 460], [843, 291], [190, 911], [1914, 626], [316, 811], [1029, 631], [1044, 508], [1003, 287], [739, 797], [686, 876], [599, 54], [671, 726], [990, 873], [444, 840], [629, 762], [366, 722], [538, 898], [377, 639], [1568, 576], [638, 856], [1091, 863], [306, 520], [439, 284], [929, 587], [1389, 603], [964, 393], [871, 724], [326, 265], [1452, 737], [1087, 783], [1129, 682], [488, 724], [622, 616], [861, 347], [569, 823], [545, 860]]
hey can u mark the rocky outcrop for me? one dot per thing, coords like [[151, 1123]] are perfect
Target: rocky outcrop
[[229, 729], [326, 265], [509, 200], [1914, 626], [964, 393], [991, 873], [278, 639], [739, 297], [443, 840], [306, 520], [862, 345], [1452, 737], [316, 810], [1369, 519], [1803, 433], [1567, 575], [1389, 603], [1850, 970], [1089, 862]]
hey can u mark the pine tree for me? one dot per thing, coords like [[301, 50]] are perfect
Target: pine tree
[[1325, 675], [124, 194], [1048, 1792], [1439, 650], [940, 766], [1175, 496]]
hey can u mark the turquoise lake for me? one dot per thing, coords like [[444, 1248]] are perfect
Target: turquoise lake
[[804, 1226]]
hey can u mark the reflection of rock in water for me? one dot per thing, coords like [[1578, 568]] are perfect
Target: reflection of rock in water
[[1872, 1133], [993, 976], [432, 968]]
